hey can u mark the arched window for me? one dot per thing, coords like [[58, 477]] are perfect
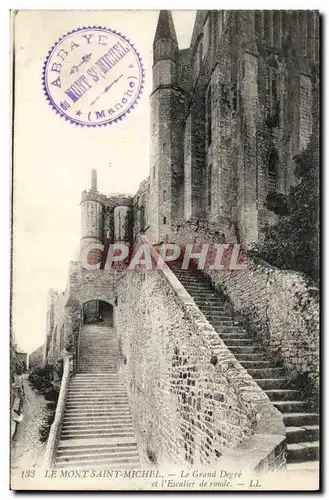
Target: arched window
[[273, 172]]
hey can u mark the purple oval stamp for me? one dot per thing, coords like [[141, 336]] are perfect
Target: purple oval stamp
[[93, 76]]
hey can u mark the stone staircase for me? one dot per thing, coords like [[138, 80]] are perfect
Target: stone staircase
[[97, 428], [301, 422]]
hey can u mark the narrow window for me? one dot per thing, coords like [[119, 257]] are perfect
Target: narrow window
[[274, 89], [164, 195], [209, 117], [209, 187], [165, 220], [273, 172]]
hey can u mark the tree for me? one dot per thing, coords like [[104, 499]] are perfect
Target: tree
[[293, 242]]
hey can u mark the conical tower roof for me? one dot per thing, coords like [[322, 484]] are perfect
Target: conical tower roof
[[165, 27]]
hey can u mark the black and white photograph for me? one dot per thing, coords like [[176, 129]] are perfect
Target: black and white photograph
[[165, 250]]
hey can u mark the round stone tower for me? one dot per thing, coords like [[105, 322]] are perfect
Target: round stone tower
[[91, 215], [121, 223]]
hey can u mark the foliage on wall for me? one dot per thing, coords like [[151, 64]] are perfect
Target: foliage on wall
[[293, 241]]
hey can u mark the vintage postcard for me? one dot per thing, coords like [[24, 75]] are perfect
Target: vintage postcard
[[165, 276]]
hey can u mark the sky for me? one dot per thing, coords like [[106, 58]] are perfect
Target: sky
[[53, 159]]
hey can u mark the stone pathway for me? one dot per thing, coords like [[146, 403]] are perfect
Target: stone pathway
[[26, 448]]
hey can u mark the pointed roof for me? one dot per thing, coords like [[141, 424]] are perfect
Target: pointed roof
[[165, 27]]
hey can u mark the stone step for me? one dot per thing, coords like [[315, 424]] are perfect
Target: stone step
[[111, 453], [96, 399], [106, 338], [290, 406], [227, 335], [300, 419], [249, 356], [101, 391], [99, 376], [114, 408], [282, 394], [94, 358], [103, 351], [75, 421], [213, 307], [245, 349], [85, 370], [92, 412], [97, 346], [197, 288], [216, 317], [84, 446], [224, 323], [256, 364], [96, 426], [97, 432], [93, 387], [92, 461], [95, 342], [83, 413], [97, 404], [204, 292], [83, 378], [90, 434], [113, 417], [266, 372], [85, 358], [77, 444], [85, 353], [96, 364], [233, 329], [302, 434], [239, 342], [272, 383], [303, 452]]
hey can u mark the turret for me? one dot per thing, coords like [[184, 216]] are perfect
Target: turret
[[165, 51], [167, 115], [91, 215]]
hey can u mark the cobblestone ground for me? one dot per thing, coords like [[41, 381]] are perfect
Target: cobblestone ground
[[26, 448]]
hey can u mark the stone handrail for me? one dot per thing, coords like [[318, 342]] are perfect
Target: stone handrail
[[55, 429]]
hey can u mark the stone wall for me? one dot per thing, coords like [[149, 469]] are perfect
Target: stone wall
[[283, 310], [192, 402]]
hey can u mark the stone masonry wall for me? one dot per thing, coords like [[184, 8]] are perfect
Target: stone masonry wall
[[192, 402], [283, 310]]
